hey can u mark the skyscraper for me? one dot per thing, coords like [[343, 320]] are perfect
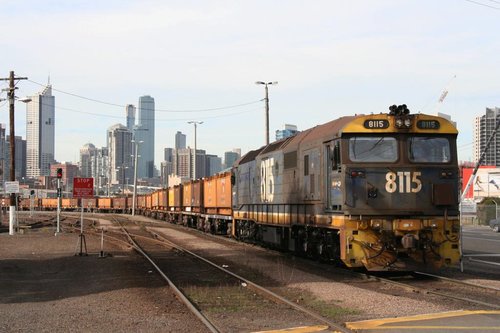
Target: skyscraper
[[130, 113], [40, 133], [483, 128], [145, 132], [20, 157], [120, 153], [88, 154], [180, 140], [213, 165], [289, 130], [230, 157], [184, 161], [168, 154]]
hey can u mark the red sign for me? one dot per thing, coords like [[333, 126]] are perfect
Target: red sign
[[83, 187]]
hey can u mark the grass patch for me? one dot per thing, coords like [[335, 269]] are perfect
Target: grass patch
[[229, 299]]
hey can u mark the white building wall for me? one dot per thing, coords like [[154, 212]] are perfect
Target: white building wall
[[40, 133]]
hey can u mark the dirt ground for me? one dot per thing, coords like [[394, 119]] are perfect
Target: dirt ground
[[44, 287]]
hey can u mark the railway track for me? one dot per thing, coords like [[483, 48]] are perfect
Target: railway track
[[216, 295], [443, 287], [464, 294]]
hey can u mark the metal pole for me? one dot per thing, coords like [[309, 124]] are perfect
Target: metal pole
[[195, 123], [58, 230], [12, 152], [194, 162], [31, 205], [267, 116], [135, 177], [81, 221]]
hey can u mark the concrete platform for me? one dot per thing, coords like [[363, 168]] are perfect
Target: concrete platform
[[455, 321]]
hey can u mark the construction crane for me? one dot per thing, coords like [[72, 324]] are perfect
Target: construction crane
[[444, 94]]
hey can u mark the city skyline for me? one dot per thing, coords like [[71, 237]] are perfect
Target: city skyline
[[200, 62]]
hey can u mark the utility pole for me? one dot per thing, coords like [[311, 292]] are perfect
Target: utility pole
[[267, 107], [11, 94], [194, 162], [136, 155]]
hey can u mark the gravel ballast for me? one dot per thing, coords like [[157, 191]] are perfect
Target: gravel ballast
[[44, 287]]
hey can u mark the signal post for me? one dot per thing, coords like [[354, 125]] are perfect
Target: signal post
[[82, 188], [59, 193]]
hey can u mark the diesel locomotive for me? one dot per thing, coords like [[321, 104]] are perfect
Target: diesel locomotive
[[378, 191]]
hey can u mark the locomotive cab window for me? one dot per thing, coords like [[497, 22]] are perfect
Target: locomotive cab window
[[425, 149], [373, 149]]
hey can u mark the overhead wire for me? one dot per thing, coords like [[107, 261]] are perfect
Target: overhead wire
[[483, 4], [156, 110], [156, 119]]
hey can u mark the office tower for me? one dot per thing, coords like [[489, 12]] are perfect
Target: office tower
[[483, 128], [145, 132], [120, 154], [168, 154], [180, 140], [88, 154], [40, 133], [213, 165], [230, 157], [100, 167], [167, 169], [20, 162], [130, 113], [184, 161], [289, 130]]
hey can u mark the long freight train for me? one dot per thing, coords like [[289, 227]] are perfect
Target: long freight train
[[378, 191]]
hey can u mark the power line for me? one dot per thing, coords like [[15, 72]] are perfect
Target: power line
[[483, 4], [156, 119], [156, 110]]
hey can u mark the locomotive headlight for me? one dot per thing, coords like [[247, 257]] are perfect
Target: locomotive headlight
[[407, 122], [399, 123]]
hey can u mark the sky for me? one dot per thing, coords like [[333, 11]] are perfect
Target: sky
[[200, 61]]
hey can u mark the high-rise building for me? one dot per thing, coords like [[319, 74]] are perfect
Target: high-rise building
[[168, 154], [230, 157], [167, 169], [100, 168], [483, 128], [184, 161], [120, 154], [130, 113], [20, 162], [213, 165], [289, 130], [88, 155], [145, 132], [40, 133], [180, 140]]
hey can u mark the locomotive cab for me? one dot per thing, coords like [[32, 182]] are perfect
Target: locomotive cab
[[400, 193]]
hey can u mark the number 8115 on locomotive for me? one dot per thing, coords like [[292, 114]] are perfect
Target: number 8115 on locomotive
[[378, 191]]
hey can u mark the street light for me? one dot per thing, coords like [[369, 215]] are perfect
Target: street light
[[136, 152], [195, 123], [267, 106]]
